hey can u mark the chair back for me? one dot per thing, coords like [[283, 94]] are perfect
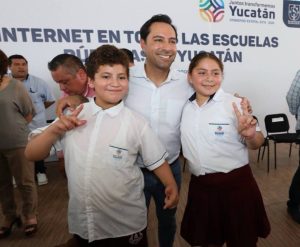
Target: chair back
[[277, 123]]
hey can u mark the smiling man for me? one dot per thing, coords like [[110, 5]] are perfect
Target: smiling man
[[159, 94]]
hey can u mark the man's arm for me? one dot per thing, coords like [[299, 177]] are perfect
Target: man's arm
[[69, 102], [165, 175]]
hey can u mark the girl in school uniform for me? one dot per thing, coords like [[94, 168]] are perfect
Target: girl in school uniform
[[224, 202]]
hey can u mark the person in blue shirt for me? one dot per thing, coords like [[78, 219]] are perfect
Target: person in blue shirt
[[42, 98]]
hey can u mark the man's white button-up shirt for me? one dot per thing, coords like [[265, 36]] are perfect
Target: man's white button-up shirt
[[162, 106]]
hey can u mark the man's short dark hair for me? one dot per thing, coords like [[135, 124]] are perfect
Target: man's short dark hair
[[145, 29], [129, 54], [68, 61], [16, 56]]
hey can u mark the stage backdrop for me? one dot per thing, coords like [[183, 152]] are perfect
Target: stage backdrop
[[258, 41]]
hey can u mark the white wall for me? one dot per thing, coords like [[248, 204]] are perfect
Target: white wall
[[263, 75]]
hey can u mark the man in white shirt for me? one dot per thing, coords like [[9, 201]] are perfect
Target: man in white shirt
[[159, 94]]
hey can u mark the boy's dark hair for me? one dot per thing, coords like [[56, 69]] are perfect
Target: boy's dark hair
[[3, 64], [129, 54], [16, 56], [145, 29], [105, 55], [70, 62]]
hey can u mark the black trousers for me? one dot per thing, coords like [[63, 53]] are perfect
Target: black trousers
[[39, 167], [294, 192]]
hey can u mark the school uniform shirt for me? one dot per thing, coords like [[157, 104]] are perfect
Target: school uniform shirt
[[106, 198], [210, 139], [162, 106]]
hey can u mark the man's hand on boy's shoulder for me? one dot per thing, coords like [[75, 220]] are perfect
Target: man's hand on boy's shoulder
[[70, 102]]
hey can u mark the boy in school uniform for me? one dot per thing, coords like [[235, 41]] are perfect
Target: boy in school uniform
[[101, 140]]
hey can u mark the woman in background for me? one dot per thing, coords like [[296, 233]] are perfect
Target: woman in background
[[17, 111]]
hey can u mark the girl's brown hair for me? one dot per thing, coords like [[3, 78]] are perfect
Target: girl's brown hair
[[200, 56]]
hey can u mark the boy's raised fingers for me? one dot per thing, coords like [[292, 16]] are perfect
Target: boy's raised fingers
[[77, 110]]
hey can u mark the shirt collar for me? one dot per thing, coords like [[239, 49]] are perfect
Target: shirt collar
[[112, 112], [217, 96], [139, 72]]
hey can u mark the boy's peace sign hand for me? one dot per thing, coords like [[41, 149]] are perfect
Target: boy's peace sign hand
[[69, 122]]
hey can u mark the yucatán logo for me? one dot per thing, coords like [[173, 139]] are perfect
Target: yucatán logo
[[291, 13], [211, 10]]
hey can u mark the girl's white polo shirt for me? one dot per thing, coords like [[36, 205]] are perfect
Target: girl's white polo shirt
[[210, 139]]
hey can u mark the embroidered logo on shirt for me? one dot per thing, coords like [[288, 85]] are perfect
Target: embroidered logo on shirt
[[219, 131], [136, 238], [218, 128], [118, 152]]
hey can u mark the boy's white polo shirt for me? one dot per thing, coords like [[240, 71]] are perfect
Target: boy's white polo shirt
[[105, 185], [162, 106], [210, 140]]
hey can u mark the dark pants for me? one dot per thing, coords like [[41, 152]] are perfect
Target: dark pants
[[294, 192], [39, 167], [138, 239], [166, 217]]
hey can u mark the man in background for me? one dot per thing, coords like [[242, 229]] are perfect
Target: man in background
[[293, 100], [69, 72], [42, 98]]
